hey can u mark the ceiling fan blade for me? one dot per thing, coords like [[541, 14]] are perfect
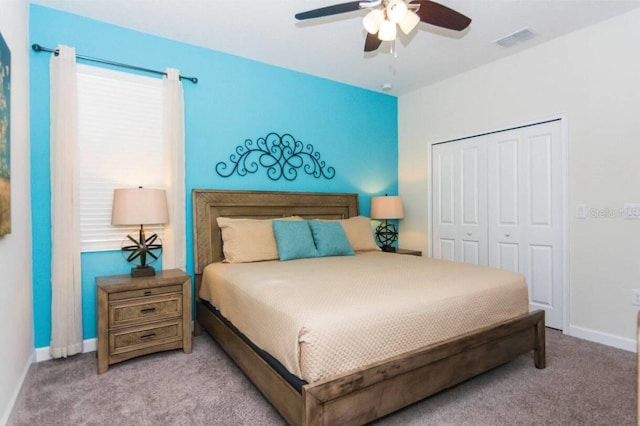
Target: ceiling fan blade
[[329, 10], [436, 14], [372, 42]]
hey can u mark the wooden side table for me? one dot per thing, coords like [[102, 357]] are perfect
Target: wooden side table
[[409, 252], [139, 316]]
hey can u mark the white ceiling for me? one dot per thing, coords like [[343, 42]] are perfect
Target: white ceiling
[[332, 47]]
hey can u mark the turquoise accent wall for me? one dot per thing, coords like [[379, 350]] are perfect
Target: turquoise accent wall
[[355, 131]]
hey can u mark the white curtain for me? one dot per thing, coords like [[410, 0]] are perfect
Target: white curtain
[[174, 245], [66, 285]]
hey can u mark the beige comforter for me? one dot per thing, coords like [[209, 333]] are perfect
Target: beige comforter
[[324, 316]]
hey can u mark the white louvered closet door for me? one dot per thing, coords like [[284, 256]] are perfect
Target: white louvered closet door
[[497, 201]]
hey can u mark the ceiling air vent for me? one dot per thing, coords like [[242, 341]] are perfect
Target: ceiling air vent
[[515, 38]]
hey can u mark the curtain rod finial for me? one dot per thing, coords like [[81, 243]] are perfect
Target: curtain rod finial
[[194, 80]]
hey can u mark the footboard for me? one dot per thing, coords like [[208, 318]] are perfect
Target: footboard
[[374, 391], [371, 392]]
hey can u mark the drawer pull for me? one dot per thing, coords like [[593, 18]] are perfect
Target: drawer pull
[[148, 293], [148, 336], [147, 310]]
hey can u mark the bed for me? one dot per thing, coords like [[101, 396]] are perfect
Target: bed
[[366, 392]]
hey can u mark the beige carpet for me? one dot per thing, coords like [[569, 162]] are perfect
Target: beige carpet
[[584, 384]]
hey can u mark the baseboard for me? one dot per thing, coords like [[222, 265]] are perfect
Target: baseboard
[[88, 345], [6, 417], [42, 354], [604, 338]]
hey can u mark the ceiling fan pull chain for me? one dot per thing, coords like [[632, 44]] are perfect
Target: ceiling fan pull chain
[[392, 49]]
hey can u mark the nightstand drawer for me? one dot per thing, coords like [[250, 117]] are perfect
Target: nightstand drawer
[[147, 292], [136, 338], [125, 312]]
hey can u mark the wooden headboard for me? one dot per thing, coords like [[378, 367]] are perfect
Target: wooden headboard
[[208, 205]]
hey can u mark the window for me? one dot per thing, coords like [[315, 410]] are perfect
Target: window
[[120, 146]]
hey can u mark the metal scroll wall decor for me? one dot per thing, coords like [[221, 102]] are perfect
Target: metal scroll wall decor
[[282, 156]]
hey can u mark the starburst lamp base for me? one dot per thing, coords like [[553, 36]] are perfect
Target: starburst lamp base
[[140, 248], [386, 235], [143, 271]]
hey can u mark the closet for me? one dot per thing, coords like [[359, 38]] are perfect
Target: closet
[[497, 201]]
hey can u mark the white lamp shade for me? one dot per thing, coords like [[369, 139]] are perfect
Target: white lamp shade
[[409, 22], [396, 10], [386, 207], [387, 31], [373, 20], [139, 206]]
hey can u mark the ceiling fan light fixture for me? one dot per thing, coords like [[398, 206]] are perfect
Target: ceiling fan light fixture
[[387, 31], [409, 22], [373, 20], [396, 10], [385, 16]]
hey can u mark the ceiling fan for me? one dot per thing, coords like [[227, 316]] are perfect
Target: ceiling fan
[[385, 15]]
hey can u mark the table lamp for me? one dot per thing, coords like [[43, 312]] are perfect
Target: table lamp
[[386, 208], [140, 206]]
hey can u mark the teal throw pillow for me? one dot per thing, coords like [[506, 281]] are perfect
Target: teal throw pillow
[[294, 239], [330, 239]]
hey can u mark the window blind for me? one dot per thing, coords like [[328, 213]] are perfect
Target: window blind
[[120, 146]]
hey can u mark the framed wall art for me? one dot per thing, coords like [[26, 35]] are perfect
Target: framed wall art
[[5, 138]]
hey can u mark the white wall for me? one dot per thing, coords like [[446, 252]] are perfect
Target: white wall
[[16, 333], [592, 76]]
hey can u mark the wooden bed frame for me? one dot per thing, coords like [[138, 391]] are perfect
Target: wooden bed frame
[[362, 395]]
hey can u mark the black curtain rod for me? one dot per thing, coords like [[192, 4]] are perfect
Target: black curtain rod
[[38, 48]]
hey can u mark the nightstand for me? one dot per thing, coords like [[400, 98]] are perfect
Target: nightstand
[[144, 315], [409, 252]]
